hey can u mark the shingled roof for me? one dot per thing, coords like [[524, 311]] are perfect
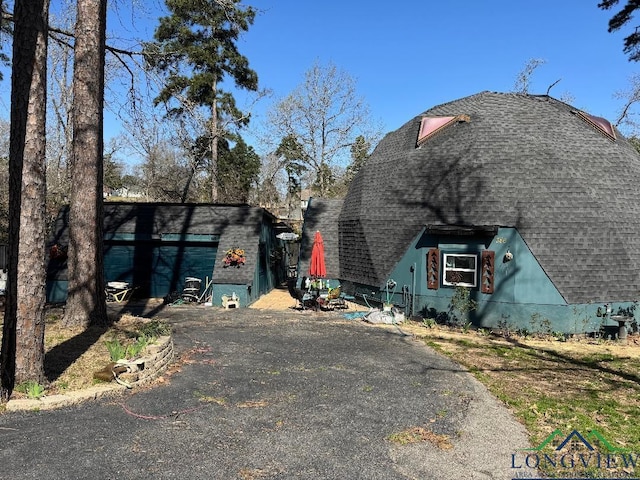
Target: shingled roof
[[236, 225], [322, 215], [523, 161]]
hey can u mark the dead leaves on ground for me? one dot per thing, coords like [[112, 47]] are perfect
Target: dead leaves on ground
[[421, 434]]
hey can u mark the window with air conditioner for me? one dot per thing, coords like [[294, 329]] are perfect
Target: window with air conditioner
[[460, 269]]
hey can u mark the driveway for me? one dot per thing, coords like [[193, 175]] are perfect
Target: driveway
[[261, 394]]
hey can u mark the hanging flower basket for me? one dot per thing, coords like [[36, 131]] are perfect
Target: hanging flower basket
[[58, 252], [234, 258]]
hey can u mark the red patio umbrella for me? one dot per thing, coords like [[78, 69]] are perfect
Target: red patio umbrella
[[317, 267]]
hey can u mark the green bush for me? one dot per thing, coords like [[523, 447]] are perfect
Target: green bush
[[461, 305], [428, 322]]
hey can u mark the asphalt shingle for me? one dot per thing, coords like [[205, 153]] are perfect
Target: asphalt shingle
[[236, 225], [522, 161], [322, 215]]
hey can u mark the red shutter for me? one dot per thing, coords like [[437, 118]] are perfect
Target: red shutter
[[433, 269], [487, 271]]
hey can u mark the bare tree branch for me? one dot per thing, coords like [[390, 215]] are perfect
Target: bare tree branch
[[553, 85], [523, 80]]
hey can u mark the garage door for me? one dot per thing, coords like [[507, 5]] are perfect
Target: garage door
[[158, 268]]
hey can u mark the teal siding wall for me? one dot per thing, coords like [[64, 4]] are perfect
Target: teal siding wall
[[263, 279], [521, 280], [154, 247], [270, 270], [524, 297], [157, 268], [118, 265], [242, 292], [57, 291]]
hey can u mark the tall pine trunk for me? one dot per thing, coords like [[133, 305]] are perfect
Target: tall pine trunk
[[213, 171], [22, 355], [86, 301]]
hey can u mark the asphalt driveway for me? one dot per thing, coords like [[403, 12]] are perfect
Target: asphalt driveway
[[258, 394]]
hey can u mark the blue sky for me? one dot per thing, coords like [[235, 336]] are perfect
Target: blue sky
[[411, 55]]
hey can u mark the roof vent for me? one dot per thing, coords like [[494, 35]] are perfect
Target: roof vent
[[429, 126], [601, 124]]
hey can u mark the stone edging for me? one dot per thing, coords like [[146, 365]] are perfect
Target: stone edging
[[146, 368], [155, 360]]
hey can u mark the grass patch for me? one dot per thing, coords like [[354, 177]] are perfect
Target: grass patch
[[154, 329], [253, 404], [31, 389], [421, 434], [552, 384], [72, 355]]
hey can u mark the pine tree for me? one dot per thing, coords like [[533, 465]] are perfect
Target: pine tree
[[86, 301], [239, 168], [620, 19], [359, 155], [294, 162], [22, 356], [196, 48]]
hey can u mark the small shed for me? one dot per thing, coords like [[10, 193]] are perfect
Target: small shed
[[155, 246]]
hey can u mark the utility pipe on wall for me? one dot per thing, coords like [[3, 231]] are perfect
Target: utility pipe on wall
[[413, 288]]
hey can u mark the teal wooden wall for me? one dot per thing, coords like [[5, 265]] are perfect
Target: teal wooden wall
[[270, 271], [242, 292], [524, 297], [271, 266], [157, 268], [157, 264], [57, 291]]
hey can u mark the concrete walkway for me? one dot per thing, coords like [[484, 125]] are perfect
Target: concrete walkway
[[276, 299], [280, 299]]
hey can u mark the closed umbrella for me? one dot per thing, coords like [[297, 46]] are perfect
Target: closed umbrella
[[317, 267]]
